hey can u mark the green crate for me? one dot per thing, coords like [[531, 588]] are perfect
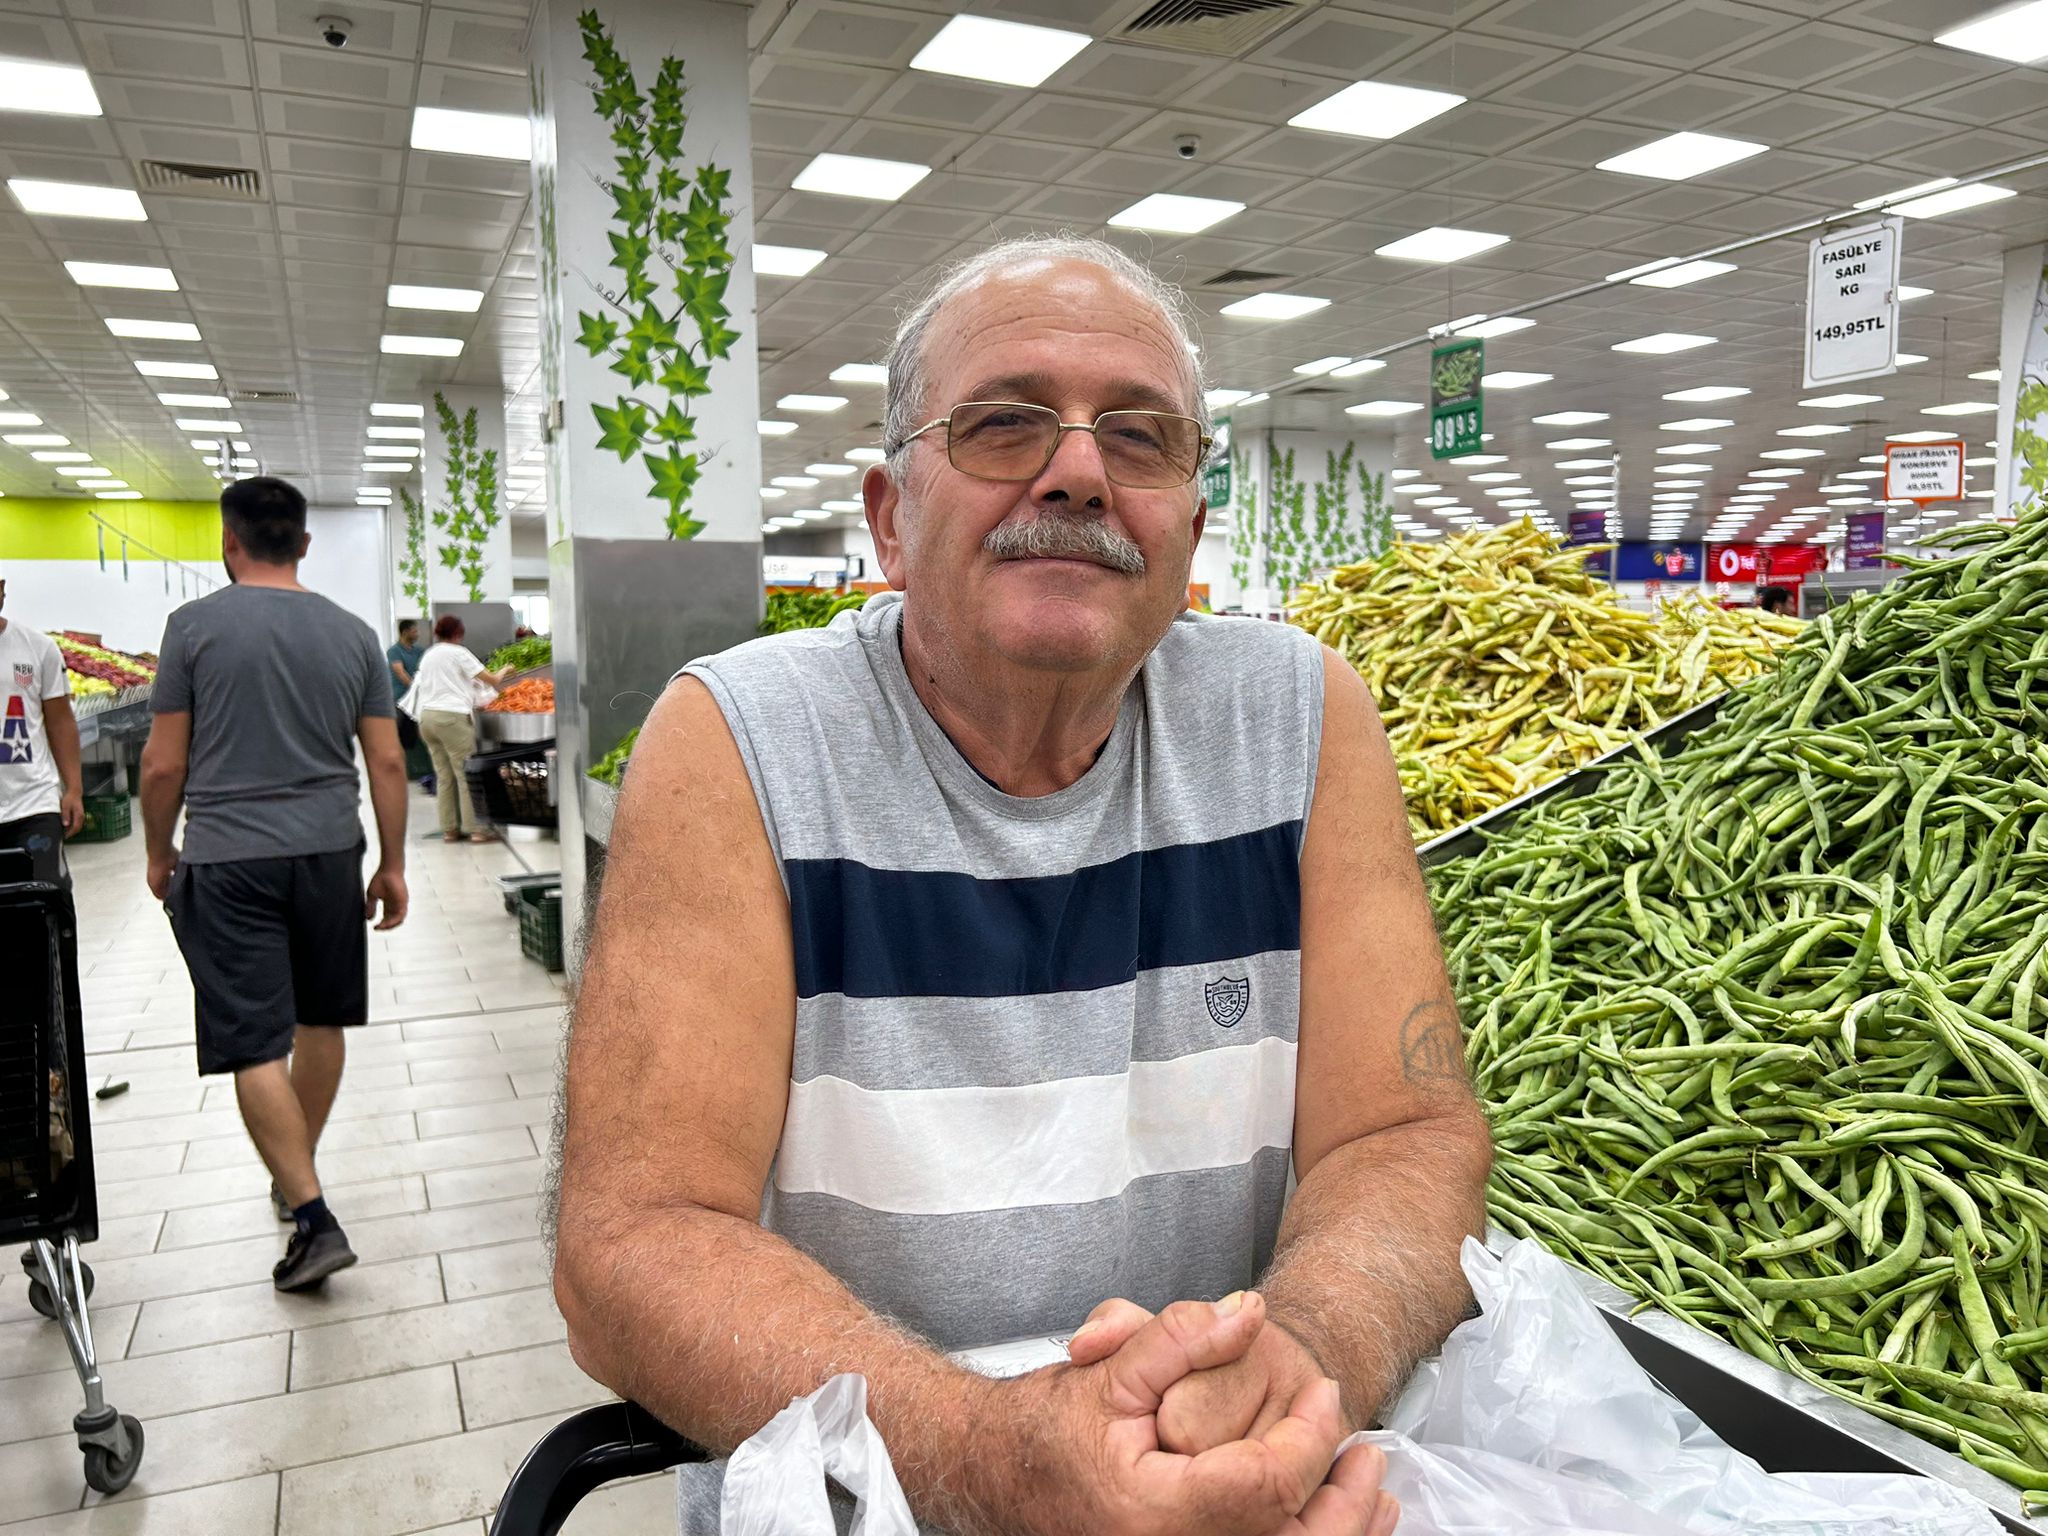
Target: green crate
[[106, 819], [540, 924]]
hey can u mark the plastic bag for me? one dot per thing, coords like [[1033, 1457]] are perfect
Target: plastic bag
[[1536, 1421], [775, 1483]]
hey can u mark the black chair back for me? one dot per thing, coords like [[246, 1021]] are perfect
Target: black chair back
[[599, 1445]]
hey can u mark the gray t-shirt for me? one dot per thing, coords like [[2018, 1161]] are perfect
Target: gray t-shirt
[[275, 682]]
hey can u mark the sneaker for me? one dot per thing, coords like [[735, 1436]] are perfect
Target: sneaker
[[278, 1203], [310, 1258]]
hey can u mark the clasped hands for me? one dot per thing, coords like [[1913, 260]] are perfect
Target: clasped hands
[[1208, 1419]]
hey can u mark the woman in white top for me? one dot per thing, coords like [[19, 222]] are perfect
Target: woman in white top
[[444, 696]]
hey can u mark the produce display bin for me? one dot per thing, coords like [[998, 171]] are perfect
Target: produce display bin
[[509, 786], [540, 924], [107, 819]]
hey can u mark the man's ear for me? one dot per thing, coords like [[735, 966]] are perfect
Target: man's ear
[[884, 507]]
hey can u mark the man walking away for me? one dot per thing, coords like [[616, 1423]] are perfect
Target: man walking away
[[261, 692], [404, 658], [40, 799]]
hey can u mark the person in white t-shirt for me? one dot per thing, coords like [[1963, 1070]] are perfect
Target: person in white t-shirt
[[445, 692], [41, 799]]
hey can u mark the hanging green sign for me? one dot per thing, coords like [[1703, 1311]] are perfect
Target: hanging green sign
[[1216, 478], [1456, 404]]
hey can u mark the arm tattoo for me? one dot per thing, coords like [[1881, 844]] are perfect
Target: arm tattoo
[[1432, 1047]]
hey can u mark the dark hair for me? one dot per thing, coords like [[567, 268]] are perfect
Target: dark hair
[[268, 517], [1770, 597], [447, 627], [405, 624]]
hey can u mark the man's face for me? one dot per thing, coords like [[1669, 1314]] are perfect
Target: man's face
[[1070, 336]]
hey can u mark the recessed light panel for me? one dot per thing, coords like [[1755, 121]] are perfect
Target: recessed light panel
[[76, 200], [389, 408], [1172, 214], [1955, 200], [1321, 365], [421, 346], [860, 373], [1382, 408], [60, 90], [1003, 52], [1373, 109], [493, 135], [881, 181], [1275, 306], [1569, 418], [1702, 393], [2018, 34], [197, 402], [1664, 342], [1441, 244], [785, 260], [158, 368], [1510, 379], [1500, 327], [810, 402], [461, 301], [155, 330], [1679, 156], [114, 274], [202, 424]]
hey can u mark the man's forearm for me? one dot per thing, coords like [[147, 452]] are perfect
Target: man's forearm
[[62, 731], [715, 1325], [387, 800], [163, 790], [1366, 1273]]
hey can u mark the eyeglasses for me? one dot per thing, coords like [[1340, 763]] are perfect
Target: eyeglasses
[[1003, 440]]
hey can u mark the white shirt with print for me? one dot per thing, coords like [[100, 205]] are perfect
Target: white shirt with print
[[31, 670]]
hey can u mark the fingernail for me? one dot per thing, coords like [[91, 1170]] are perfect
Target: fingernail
[[1082, 1332], [1335, 1396], [1230, 1305]]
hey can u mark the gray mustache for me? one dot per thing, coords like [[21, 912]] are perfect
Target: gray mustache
[[1051, 536]]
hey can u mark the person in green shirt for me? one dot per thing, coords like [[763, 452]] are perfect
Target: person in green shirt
[[404, 660]]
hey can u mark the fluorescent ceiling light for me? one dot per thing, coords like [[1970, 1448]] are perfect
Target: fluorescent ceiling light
[[206, 444], [810, 402], [2018, 34], [1586, 480], [1509, 379], [1702, 393], [155, 330], [1495, 476], [1816, 429], [1363, 365], [203, 424], [1793, 453], [1172, 214], [881, 181], [772, 493], [1569, 418], [238, 445], [1961, 408], [777, 428], [36, 439], [860, 373], [118, 495], [387, 467], [386, 408], [421, 346], [75, 200], [1500, 327], [811, 514], [1681, 469], [415, 432], [1695, 424], [1665, 341], [1679, 156], [1987, 376], [1690, 448], [1568, 444], [828, 470], [494, 135], [1436, 501], [1677, 484], [158, 369], [102, 483], [20, 419], [1783, 473], [49, 456], [1955, 200], [1582, 463], [785, 260], [1372, 109], [866, 455], [461, 301], [1474, 460], [1418, 488], [1382, 408], [1908, 359], [844, 506], [61, 90], [794, 482], [1838, 402], [1440, 243], [391, 451], [1004, 52], [95, 470], [1275, 306], [1673, 274], [1321, 365], [1907, 291]]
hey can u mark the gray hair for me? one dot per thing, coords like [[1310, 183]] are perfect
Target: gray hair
[[906, 389]]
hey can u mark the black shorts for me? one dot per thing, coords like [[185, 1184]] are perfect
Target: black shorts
[[271, 944], [42, 839]]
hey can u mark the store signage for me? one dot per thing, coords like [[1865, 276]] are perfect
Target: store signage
[[1457, 414], [1763, 564], [1924, 472], [1637, 561], [1588, 528], [1865, 550], [1733, 562], [1852, 303], [1216, 478]]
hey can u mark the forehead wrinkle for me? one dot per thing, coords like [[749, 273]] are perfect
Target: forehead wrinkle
[[1039, 387]]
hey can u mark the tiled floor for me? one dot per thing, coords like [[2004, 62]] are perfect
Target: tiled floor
[[400, 1397]]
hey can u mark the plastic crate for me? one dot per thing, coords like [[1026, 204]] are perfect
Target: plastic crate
[[510, 786], [107, 819], [540, 924]]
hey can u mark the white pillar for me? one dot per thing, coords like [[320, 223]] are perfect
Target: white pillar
[[2023, 367], [463, 485]]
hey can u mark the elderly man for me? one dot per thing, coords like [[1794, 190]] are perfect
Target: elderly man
[[979, 964]]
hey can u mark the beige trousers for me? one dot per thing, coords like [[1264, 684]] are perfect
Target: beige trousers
[[450, 739]]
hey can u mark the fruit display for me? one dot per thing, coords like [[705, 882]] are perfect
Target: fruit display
[[1500, 663], [809, 609], [523, 655], [1760, 1024], [89, 661], [529, 696], [83, 687], [611, 768]]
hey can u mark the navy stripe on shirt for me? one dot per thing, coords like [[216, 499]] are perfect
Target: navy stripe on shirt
[[910, 933]]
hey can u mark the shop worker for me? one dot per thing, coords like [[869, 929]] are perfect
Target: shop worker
[[263, 691], [41, 798], [987, 961], [403, 658], [1776, 601]]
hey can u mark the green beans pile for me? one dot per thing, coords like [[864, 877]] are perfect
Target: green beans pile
[[1759, 1024]]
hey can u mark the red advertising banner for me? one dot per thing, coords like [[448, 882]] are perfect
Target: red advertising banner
[[1763, 563]]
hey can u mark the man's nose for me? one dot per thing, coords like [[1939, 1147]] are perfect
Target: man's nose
[[1075, 473]]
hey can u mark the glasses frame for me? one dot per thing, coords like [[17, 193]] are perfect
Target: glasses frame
[[1204, 442]]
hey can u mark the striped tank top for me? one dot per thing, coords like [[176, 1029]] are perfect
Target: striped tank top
[[1044, 1047]]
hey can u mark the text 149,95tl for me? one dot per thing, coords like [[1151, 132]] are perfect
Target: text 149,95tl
[[1848, 328]]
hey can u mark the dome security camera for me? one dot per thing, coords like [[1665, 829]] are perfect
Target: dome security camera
[[334, 30], [1187, 146]]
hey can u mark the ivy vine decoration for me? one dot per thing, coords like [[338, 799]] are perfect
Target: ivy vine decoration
[[1376, 515], [661, 215], [1244, 517], [412, 569], [469, 513]]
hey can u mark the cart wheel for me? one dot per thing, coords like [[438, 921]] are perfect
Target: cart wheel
[[40, 1298], [86, 1270], [108, 1473]]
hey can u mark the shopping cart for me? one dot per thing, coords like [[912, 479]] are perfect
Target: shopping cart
[[47, 1195], [586, 1450]]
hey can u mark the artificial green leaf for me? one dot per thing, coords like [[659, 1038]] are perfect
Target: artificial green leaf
[[685, 376], [703, 249], [652, 330], [681, 527], [635, 203], [628, 251], [713, 182], [639, 287], [672, 426], [668, 185], [718, 340], [450, 556], [619, 97], [634, 364], [666, 141], [628, 135], [625, 427], [674, 475], [668, 226], [633, 168]]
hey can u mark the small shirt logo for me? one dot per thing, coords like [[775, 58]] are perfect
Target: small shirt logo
[[1229, 999], [24, 676]]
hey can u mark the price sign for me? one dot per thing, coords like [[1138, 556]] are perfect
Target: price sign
[[1216, 478], [1865, 551], [1852, 303], [1456, 409], [1924, 472]]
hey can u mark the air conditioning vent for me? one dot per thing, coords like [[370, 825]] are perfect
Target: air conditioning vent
[[265, 396], [1238, 276], [226, 183], [1225, 28]]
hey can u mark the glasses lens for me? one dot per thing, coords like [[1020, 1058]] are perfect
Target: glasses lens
[[1147, 450], [1001, 441]]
